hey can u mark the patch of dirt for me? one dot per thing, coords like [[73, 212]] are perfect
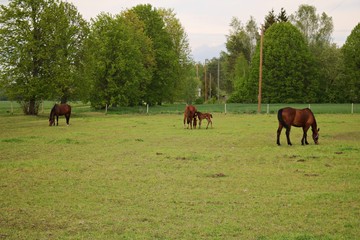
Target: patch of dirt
[[217, 175], [311, 174]]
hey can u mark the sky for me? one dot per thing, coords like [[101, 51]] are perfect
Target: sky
[[206, 22]]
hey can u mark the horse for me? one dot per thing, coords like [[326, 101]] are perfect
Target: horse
[[190, 116], [206, 116], [59, 110], [299, 118]]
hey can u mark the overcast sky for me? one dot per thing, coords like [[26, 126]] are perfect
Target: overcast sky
[[207, 21]]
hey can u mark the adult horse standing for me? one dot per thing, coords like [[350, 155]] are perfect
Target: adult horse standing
[[299, 118], [190, 116], [59, 110]]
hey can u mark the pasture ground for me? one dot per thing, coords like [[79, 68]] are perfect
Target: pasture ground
[[146, 177]]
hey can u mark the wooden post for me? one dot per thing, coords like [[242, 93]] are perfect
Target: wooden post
[[260, 68]]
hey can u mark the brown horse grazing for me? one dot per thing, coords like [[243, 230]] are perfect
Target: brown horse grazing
[[206, 116], [59, 110], [189, 116], [299, 118]]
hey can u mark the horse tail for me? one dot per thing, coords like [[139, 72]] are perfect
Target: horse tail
[[281, 120], [210, 115]]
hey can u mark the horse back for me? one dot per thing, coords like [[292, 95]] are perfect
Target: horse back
[[190, 111], [295, 117], [62, 109]]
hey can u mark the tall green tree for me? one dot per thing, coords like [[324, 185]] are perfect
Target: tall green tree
[[66, 53], [119, 60], [163, 83], [287, 72], [351, 52], [240, 43], [316, 28], [270, 19], [34, 48], [23, 35], [185, 82]]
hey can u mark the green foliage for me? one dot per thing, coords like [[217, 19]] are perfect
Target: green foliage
[[40, 51], [162, 85], [240, 44], [287, 73], [185, 82], [119, 60], [316, 28], [351, 51]]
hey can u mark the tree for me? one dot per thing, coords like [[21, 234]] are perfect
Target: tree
[[351, 51], [162, 86], [119, 60], [316, 28], [282, 17], [240, 43], [36, 50], [270, 19], [22, 53], [66, 52], [287, 72], [185, 82]]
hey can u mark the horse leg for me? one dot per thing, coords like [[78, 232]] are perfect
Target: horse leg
[[67, 119], [207, 123], [278, 133], [57, 120], [288, 135], [304, 139]]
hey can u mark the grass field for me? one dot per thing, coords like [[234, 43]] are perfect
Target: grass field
[[146, 177]]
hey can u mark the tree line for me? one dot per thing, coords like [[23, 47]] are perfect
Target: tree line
[[142, 56], [300, 61]]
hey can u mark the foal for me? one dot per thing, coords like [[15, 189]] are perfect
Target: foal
[[206, 116]]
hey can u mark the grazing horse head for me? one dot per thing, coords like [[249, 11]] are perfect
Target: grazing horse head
[[315, 135]]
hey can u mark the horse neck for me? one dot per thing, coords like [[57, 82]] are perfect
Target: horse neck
[[53, 112], [314, 124]]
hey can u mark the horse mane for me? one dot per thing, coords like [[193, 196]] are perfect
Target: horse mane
[[52, 112]]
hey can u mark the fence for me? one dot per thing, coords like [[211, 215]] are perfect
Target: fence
[[7, 107]]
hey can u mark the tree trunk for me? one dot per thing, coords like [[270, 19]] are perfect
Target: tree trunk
[[30, 107]]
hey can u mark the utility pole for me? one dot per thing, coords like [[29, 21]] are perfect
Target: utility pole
[[205, 81], [218, 80], [260, 68], [210, 86]]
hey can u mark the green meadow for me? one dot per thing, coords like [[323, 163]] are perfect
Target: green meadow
[[138, 176]]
